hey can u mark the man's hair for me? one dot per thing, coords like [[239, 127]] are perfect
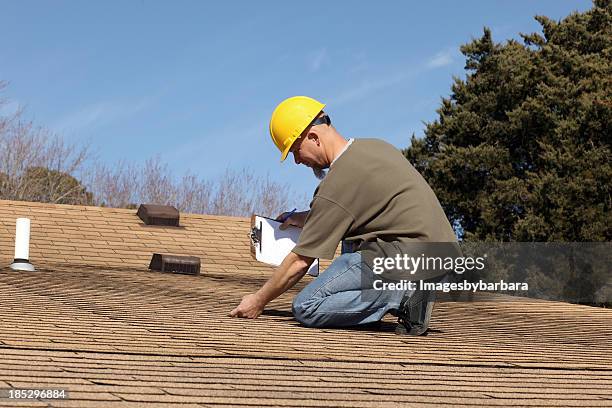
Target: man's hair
[[321, 114]]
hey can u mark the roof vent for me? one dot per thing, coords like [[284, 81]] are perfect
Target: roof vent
[[152, 214], [22, 246], [189, 265]]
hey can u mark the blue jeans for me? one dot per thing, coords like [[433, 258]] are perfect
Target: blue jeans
[[334, 298]]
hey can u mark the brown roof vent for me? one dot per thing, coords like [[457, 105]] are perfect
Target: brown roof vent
[[152, 214], [189, 265]]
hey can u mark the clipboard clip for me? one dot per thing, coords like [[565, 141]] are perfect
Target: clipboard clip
[[255, 236]]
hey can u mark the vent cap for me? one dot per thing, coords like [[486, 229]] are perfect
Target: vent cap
[[189, 265], [153, 214], [22, 246]]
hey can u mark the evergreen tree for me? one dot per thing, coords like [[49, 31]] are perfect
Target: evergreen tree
[[521, 149], [52, 186], [43, 185]]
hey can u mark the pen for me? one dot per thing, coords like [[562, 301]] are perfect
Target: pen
[[286, 217]]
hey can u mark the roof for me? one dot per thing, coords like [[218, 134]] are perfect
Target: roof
[[94, 321]]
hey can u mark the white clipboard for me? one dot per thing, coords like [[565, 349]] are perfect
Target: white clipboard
[[270, 244]]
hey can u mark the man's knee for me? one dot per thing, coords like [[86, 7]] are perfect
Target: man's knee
[[302, 312]]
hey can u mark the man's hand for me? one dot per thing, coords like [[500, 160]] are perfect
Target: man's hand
[[250, 307], [296, 219], [290, 271]]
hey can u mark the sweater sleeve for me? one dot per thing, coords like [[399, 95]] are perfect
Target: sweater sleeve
[[325, 226]]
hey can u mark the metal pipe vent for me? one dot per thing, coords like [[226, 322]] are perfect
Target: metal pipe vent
[[189, 265], [22, 246], [153, 214]]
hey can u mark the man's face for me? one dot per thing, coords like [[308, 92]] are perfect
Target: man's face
[[307, 151], [304, 151]]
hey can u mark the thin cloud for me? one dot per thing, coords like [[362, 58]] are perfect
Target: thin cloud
[[100, 114], [210, 146], [8, 109], [84, 118], [360, 63], [442, 58], [367, 87], [318, 58]]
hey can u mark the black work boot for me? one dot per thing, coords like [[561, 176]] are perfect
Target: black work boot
[[414, 313]]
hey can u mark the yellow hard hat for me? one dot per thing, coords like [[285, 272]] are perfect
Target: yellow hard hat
[[289, 120]]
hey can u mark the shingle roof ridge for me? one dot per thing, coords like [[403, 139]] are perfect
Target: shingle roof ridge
[[36, 204], [113, 237]]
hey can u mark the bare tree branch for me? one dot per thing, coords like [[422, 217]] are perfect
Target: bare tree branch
[[37, 165]]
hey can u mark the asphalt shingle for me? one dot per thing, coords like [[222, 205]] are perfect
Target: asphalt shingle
[[95, 321]]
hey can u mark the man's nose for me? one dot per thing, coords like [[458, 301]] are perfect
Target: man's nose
[[295, 158]]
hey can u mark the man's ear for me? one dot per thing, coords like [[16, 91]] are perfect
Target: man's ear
[[312, 135]]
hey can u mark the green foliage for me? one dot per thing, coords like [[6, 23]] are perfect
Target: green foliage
[[4, 184], [56, 187], [521, 149], [43, 185]]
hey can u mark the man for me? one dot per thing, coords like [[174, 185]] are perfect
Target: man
[[372, 199]]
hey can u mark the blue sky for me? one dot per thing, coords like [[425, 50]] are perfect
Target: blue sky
[[196, 81]]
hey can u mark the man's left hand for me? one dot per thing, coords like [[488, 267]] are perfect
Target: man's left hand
[[250, 307]]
